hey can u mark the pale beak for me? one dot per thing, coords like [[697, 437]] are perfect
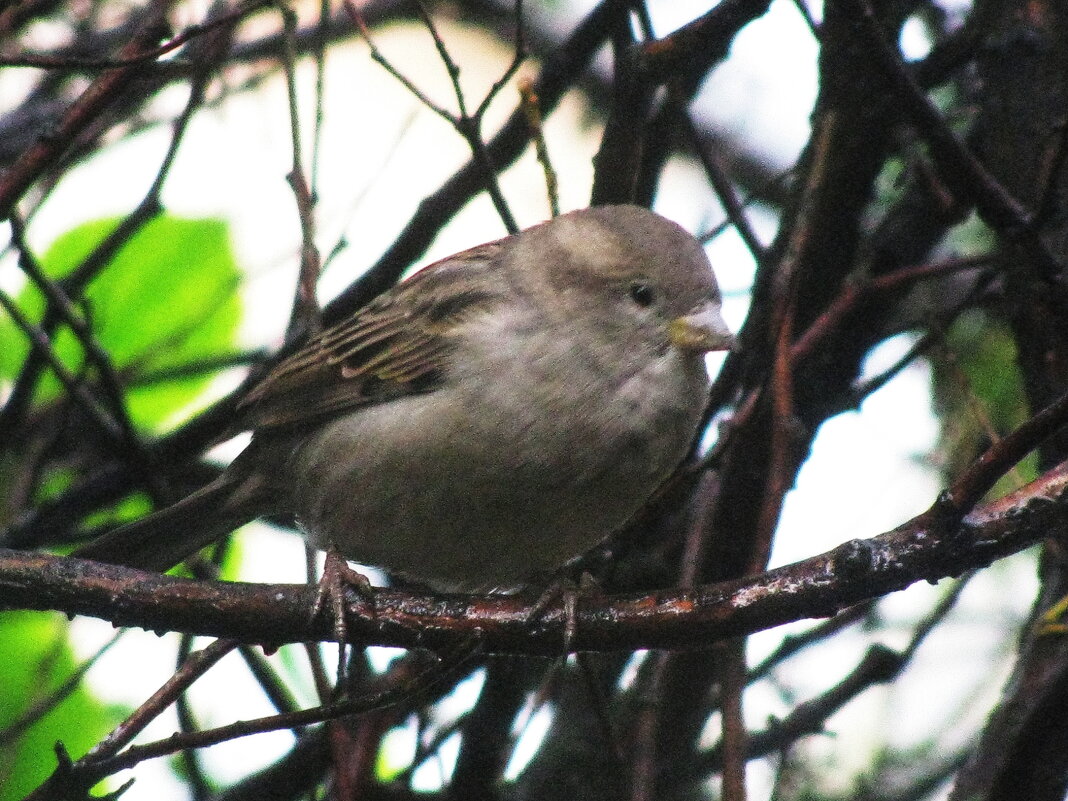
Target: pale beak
[[701, 330]]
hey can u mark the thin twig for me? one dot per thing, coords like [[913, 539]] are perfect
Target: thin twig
[[191, 669], [319, 53], [735, 739], [95, 354], [867, 290], [32, 163], [305, 319], [74, 284], [41, 344], [469, 126], [529, 103], [192, 766], [934, 334], [725, 191], [49, 61], [397, 689]]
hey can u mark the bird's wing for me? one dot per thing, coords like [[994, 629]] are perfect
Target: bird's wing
[[397, 345]]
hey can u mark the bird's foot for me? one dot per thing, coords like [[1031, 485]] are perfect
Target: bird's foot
[[569, 593], [337, 577]]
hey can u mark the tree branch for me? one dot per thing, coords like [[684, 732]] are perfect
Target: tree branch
[[274, 614]]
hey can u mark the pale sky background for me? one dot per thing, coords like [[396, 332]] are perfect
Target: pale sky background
[[867, 472]]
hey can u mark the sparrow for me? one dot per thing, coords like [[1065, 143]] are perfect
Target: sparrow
[[496, 414]]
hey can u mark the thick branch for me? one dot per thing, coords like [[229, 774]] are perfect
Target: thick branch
[[816, 587]]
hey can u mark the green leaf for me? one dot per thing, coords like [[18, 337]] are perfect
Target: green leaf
[[978, 393], [165, 301], [34, 660]]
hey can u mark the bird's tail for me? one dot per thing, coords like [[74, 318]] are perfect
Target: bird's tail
[[161, 540]]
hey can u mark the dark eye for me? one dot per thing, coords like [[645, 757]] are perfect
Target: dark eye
[[642, 293]]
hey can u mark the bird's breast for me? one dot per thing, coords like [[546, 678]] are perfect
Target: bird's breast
[[526, 457]]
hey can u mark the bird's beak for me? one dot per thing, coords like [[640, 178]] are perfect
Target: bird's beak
[[701, 330]]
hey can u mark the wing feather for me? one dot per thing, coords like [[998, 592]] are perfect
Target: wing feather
[[397, 345]]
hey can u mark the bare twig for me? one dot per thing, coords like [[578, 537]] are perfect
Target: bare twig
[[468, 125], [305, 319], [725, 191], [106, 758], [962, 170], [530, 106], [74, 284], [41, 344], [192, 669], [51, 61], [103, 91], [94, 352]]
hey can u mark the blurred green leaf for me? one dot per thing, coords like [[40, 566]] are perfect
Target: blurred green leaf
[[34, 661], [394, 754], [978, 393], [166, 300]]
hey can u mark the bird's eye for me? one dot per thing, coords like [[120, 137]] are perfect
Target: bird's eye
[[642, 293]]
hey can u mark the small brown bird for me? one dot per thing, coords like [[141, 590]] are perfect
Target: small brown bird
[[491, 417]]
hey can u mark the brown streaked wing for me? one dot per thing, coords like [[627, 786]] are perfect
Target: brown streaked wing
[[396, 345]]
